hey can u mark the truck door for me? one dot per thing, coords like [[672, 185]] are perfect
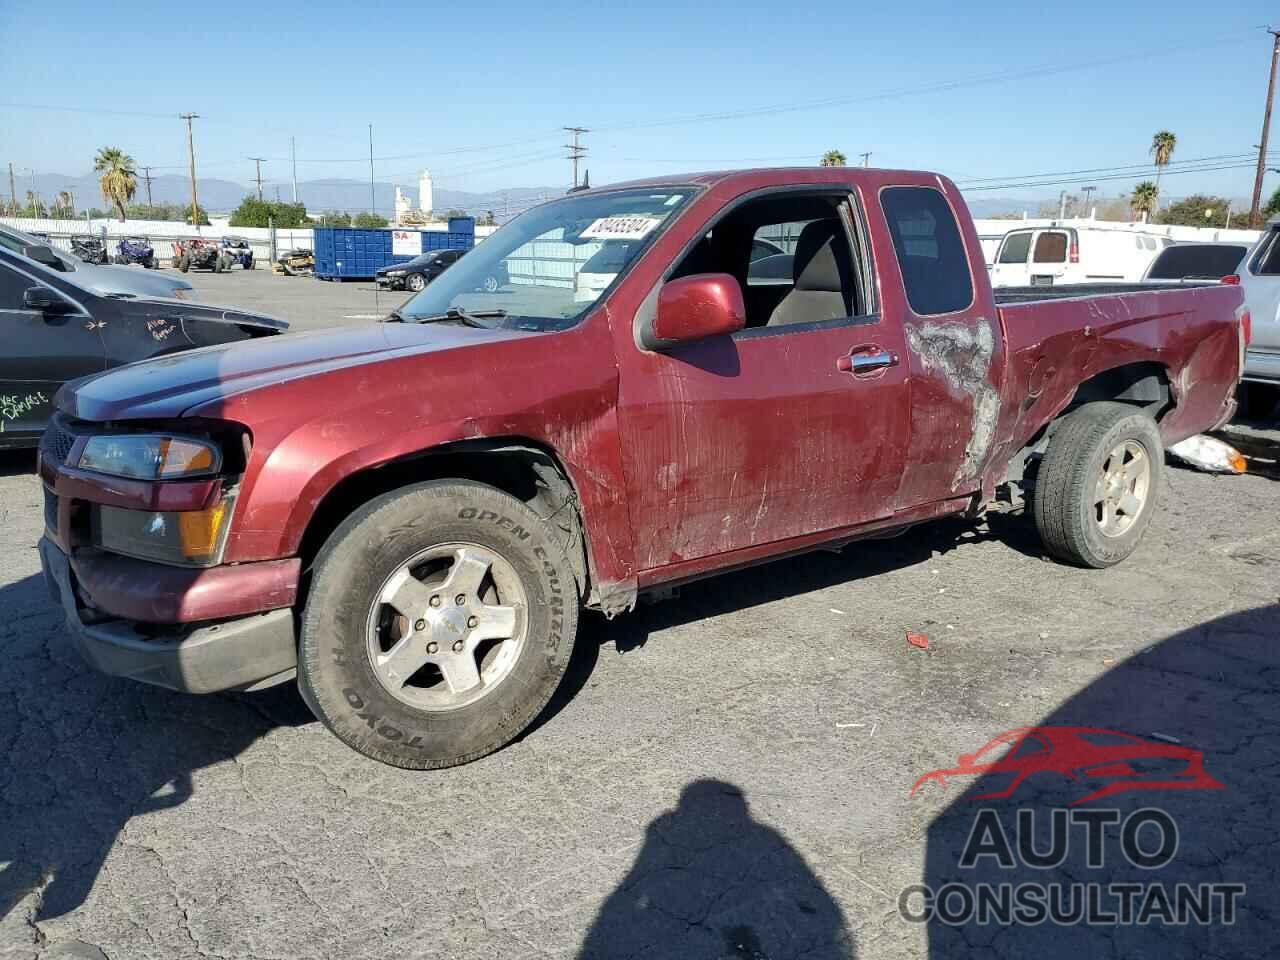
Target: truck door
[[955, 352], [42, 350], [793, 426], [1010, 268]]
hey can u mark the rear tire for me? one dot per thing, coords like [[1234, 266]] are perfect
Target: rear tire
[[1098, 484], [352, 634], [184, 263]]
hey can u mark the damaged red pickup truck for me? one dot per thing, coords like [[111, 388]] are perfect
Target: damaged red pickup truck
[[676, 377]]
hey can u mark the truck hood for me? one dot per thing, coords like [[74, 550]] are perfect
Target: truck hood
[[173, 385]]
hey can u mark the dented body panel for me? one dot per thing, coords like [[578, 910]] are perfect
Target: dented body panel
[[705, 456]]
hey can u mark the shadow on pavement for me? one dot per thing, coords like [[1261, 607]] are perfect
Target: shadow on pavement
[[84, 754], [1209, 690], [16, 462], [713, 882]]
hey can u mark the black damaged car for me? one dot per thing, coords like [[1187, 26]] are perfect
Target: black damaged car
[[53, 330], [417, 273]]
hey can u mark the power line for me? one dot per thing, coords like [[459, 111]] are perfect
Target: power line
[[1212, 168]]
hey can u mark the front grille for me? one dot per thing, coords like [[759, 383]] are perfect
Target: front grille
[[55, 444]]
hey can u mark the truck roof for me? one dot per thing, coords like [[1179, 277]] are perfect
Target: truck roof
[[771, 176]]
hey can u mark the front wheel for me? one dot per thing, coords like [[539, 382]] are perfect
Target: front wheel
[[1098, 483], [491, 284], [184, 263], [440, 620], [415, 282]]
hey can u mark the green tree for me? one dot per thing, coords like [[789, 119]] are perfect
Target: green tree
[[1198, 210], [488, 220], [368, 220], [1273, 205], [1162, 147], [833, 158], [1144, 197], [332, 218], [253, 212], [119, 178], [174, 212]]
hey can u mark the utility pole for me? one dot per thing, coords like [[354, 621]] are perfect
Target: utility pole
[[293, 160], [372, 201], [191, 156], [1062, 204], [1088, 196], [146, 176], [13, 192], [1255, 218], [576, 150], [258, 161], [866, 158]]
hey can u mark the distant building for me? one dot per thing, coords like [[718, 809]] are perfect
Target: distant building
[[402, 207], [426, 198]]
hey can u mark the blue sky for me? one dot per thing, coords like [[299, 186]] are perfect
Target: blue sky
[[438, 81]]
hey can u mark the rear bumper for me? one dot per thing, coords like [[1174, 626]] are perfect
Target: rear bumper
[[1262, 367], [244, 653]]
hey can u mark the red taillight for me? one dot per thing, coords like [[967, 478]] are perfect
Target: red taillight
[[1233, 279], [1074, 254], [1246, 327]]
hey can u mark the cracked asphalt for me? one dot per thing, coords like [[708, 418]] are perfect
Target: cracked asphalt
[[723, 775]]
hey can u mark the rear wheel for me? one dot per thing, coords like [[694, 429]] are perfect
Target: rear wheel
[[439, 622], [184, 263], [1098, 483], [491, 284]]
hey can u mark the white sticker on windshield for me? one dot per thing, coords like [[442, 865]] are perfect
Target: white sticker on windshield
[[621, 228]]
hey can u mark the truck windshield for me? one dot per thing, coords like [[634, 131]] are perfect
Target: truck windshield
[[544, 269]]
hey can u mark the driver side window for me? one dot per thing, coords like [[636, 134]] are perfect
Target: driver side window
[[795, 260], [12, 287]]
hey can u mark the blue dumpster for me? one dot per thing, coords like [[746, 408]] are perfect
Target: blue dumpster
[[351, 253]]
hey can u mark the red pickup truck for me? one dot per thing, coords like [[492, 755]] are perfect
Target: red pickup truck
[[408, 516]]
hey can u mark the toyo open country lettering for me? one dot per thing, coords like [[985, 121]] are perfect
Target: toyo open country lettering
[[708, 371]]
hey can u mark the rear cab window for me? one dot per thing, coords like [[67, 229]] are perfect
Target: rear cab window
[[930, 251], [1266, 262]]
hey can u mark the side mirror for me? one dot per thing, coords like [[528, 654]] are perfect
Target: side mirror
[[694, 308], [44, 300]]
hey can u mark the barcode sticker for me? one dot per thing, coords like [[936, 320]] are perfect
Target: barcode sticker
[[621, 228]]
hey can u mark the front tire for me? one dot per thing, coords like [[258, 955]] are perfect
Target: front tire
[[440, 621], [415, 282], [1098, 484]]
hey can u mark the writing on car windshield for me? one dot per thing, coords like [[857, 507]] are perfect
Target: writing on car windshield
[[545, 269]]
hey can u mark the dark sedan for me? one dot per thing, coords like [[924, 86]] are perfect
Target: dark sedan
[[54, 330], [417, 273]]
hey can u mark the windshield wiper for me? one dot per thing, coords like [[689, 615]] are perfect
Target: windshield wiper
[[470, 318], [395, 316]]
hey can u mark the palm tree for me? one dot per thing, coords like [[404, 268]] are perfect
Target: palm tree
[[833, 158], [35, 206], [65, 204], [119, 177], [1162, 147], [1144, 198]]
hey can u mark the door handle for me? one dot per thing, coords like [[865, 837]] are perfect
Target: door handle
[[859, 363]]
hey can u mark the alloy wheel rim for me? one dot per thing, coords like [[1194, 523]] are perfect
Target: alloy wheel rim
[[447, 627], [1121, 490]]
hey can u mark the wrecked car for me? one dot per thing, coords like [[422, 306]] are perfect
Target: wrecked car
[[408, 517], [57, 329]]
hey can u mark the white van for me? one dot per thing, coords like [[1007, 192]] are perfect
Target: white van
[[1047, 256]]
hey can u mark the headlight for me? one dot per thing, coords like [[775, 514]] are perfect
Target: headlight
[[395, 273], [150, 457], [190, 538]]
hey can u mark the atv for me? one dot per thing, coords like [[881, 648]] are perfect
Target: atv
[[89, 248], [237, 250], [296, 263], [200, 254], [136, 250]]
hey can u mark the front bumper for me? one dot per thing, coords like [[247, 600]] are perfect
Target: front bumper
[[1262, 367], [238, 654], [390, 283]]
